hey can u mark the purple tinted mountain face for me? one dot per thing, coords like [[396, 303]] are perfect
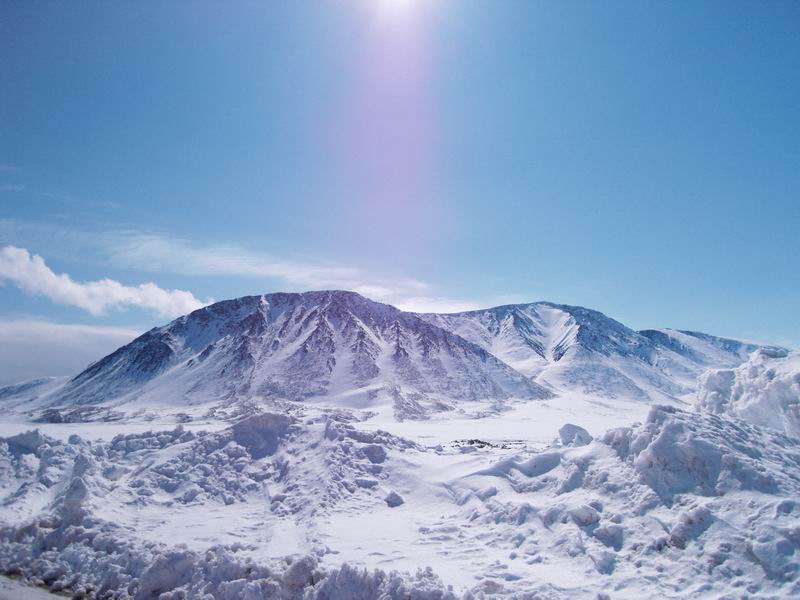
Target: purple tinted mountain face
[[297, 346], [359, 353]]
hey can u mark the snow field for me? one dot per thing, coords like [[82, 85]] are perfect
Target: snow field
[[682, 505]]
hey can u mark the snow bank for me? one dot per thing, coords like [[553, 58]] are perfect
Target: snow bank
[[67, 547], [688, 505], [765, 390], [67, 559], [684, 505]]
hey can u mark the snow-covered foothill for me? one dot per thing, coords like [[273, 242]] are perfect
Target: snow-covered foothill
[[574, 348]]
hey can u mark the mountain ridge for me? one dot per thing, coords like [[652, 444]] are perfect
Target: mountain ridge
[[339, 345]]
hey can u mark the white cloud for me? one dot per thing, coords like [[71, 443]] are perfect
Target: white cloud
[[34, 348], [155, 252], [160, 253], [31, 274]]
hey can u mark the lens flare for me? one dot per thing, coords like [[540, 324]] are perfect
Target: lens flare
[[386, 139], [397, 5], [394, 10]]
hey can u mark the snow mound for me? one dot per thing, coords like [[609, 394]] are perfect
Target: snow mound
[[68, 559], [688, 505], [573, 435], [765, 390], [55, 496], [684, 505], [261, 434], [676, 452]]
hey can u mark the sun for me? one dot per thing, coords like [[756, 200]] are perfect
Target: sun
[[397, 7], [397, 4]]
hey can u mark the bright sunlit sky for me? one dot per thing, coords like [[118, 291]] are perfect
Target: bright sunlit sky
[[639, 158]]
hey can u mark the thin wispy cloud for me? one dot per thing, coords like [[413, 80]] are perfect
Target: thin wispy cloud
[[12, 187], [155, 252], [31, 274]]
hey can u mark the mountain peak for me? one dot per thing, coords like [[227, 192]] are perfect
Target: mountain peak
[[353, 351], [296, 346]]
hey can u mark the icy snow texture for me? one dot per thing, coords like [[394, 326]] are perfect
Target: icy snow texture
[[684, 505], [765, 390]]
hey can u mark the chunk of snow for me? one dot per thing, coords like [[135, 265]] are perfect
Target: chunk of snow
[[27, 442], [261, 433], [765, 390], [573, 435], [375, 453], [584, 515]]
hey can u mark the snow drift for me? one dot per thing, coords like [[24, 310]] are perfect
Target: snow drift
[[765, 390], [684, 505]]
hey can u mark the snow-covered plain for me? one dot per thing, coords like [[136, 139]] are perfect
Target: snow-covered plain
[[599, 479]]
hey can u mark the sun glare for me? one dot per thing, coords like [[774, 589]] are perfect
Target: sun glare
[[397, 5], [397, 8]]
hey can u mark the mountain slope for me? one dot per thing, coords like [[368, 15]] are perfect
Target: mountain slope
[[353, 352], [298, 346], [571, 347]]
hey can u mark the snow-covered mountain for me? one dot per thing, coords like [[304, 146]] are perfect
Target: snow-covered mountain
[[357, 353], [227, 455], [570, 347], [298, 346]]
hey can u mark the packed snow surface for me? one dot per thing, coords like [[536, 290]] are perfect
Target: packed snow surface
[[309, 503], [764, 390], [322, 445]]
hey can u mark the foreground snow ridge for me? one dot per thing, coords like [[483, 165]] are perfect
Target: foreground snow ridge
[[688, 505]]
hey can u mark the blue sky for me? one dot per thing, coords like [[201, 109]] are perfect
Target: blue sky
[[637, 158]]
